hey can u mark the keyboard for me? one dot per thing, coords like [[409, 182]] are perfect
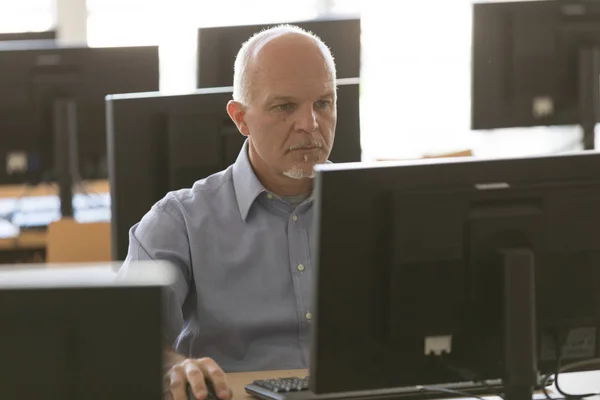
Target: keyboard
[[296, 388], [276, 389]]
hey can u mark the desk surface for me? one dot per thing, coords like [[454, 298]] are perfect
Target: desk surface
[[51, 189], [42, 196], [571, 383], [26, 240]]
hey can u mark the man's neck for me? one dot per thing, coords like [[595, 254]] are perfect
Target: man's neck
[[278, 184], [282, 185]]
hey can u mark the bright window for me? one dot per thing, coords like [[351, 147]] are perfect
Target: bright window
[[141, 22], [344, 7], [123, 22], [26, 15], [172, 24], [416, 78], [416, 87]]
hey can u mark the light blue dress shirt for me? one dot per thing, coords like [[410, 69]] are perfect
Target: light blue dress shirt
[[243, 259]]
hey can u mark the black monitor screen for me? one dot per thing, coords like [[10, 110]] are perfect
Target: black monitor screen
[[218, 47]]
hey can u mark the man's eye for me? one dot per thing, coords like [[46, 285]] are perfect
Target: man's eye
[[285, 107], [323, 103]]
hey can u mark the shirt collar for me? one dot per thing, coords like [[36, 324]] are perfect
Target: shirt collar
[[246, 184]]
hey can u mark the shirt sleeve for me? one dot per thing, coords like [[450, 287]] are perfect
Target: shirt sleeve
[[162, 235]]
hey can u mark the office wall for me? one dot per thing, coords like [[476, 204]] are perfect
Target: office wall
[[71, 20]]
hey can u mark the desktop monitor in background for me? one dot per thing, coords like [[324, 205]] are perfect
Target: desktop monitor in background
[[52, 107], [218, 46], [77, 333], [33, 80], [159, 143], [44, 35], [457, 258], [536, 63]]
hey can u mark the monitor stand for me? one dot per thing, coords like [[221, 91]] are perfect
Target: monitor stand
[[521, 375], [589, 94], [66, 164]]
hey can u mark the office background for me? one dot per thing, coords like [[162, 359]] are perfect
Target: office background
[[415, 101], [415, 76], [415, 85]]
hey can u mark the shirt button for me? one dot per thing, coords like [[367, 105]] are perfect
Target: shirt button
[[300, 267], [308, 315], [294, 218], [270, 196]]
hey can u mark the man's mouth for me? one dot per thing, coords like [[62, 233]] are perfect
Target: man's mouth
[[306, 147]]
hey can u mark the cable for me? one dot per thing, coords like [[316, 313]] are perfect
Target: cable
[[545, 384], [559, 342], [580, 364], [572, 366], [449, 391]]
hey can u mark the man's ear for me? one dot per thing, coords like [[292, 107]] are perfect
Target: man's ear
[[237, 113]]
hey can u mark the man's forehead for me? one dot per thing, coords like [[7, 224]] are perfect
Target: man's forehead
[[290, 79], [299, 70], [296, 88], [277, 40], [286, 55]]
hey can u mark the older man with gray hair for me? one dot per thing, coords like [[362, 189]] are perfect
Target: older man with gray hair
[[241, 239]]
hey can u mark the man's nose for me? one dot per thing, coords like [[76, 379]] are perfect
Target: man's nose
[[307, 120]]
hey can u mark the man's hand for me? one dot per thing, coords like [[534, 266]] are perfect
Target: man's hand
[[195, 371]]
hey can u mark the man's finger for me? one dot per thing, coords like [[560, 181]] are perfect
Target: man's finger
[[217, 376], [166, 387], [195, 377], [177, 383]]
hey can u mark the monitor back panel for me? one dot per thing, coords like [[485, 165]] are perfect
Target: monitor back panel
[[218, 47]]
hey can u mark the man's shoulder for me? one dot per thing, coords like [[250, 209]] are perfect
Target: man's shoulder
[[204, 195]]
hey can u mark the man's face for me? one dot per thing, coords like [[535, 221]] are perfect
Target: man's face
[[292, 116]]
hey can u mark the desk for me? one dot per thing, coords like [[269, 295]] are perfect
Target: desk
[[51, 189], [25, 241], [37, 240], [575, 383]]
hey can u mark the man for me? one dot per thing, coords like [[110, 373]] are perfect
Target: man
[[240, 239]]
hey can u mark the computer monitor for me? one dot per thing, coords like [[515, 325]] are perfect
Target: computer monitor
[[440, 271], [218, 47], [159, 143], [43, 35], [77, 333], [536, 63], [52, 110]]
